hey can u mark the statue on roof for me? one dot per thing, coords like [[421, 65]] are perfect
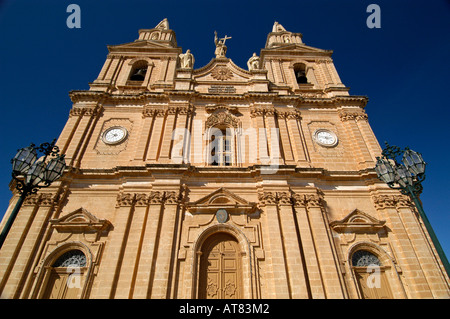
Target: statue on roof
[[221, 48], [253, 62], [187, 60]]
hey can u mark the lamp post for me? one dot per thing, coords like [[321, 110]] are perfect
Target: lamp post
[[407, 176], [32, 173]]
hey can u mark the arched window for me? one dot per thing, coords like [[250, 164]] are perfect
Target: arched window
[[72, 258], [300, 73], [138, 71], [364, 258], [67, 276]]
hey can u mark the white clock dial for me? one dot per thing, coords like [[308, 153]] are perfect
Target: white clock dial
[[114, 135], [325, 138]]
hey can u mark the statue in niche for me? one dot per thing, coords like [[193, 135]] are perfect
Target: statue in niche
[[253, 62], [221, 48], [187, 60]]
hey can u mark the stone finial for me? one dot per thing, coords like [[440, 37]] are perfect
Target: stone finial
[[277, 27], [163, 25]]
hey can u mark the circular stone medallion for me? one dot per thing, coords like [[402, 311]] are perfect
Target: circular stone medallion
[[222, 216]]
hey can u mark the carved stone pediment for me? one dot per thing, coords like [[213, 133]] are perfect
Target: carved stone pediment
[[221, 70], [221, 198], [222, 117], [358, 222], [80, 221]]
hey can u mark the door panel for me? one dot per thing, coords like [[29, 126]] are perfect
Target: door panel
[[220, 268], [372, 287], [62, 284]]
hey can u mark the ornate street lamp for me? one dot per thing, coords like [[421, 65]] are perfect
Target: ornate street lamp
[[407, 176], [32, 173]]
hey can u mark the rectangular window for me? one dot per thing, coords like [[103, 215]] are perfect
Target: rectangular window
[[220, 148]]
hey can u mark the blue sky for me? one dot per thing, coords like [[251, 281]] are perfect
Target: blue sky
[[403, 67]]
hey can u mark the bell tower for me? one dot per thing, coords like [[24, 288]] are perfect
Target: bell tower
[[147, 64]]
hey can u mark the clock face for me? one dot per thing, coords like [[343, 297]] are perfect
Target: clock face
[[325, 138], [114, 135]]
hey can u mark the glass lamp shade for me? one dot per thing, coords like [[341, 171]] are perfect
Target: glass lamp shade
[[54, 169], [385, 171], [403, 176], [24, 158], [414, 162], [36, 173]]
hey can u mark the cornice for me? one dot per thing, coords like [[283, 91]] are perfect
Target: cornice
[[296, 100], [251, 171]]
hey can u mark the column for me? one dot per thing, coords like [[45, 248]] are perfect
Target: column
[[257, 114], [423, 246], [82, 134], [166, 252], [360, 149], [328, 262], [309, 248], [294, 128], [292, 248], [145, 264], [132, 248], [368, 135], [416, 285], [273, 139], [167, 135], [275, 254], [182, 131], [113, 256], [156, 135], [285, 140], [69, 130], [145, 133], [23, 239]]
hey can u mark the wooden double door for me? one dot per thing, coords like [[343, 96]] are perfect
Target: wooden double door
[[220, 274], [373, 284], [64, 283]]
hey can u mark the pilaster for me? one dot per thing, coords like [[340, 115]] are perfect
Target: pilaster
[[417, 286], [150, 234], [314, 274], [294, 261], [166, 248], [276, 257]]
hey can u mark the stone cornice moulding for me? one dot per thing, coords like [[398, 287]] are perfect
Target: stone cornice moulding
[[144, 98]]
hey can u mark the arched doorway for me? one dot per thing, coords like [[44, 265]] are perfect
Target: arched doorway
[[370, 275], [220, 274], [66, 276]]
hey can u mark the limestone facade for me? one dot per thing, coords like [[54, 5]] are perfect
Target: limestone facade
[[218, 182]]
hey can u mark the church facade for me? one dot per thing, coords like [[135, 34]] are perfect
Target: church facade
[[218, 182]]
